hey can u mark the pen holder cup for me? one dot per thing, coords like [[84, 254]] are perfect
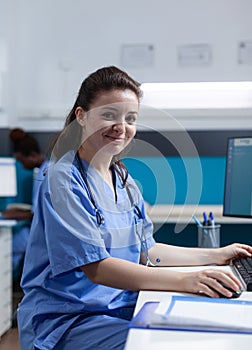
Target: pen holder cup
[[209, 236]]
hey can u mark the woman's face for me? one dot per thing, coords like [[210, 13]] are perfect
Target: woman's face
[[110, 124]]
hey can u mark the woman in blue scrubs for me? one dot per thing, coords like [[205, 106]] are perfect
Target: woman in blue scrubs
[[91, 247]]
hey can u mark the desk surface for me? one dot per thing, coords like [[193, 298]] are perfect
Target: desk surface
[[165, 213], [7, 223], [144, 339]]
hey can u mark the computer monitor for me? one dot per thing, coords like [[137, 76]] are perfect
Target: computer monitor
[[238, 178], [8, 177]]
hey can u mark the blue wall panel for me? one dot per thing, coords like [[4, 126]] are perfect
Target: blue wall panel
[[164, 180]]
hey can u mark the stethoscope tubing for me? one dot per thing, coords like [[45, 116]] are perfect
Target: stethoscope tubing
[[100, 217]]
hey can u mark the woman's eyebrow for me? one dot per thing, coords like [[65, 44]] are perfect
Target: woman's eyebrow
[[110, 108], [115, 109]]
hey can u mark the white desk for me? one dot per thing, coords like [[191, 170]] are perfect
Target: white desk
[[143, 339], [5, 275]]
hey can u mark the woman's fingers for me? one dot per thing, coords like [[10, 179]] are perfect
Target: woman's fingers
[[212, 283]]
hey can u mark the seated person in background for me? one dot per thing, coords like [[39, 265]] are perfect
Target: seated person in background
[[27, 151]]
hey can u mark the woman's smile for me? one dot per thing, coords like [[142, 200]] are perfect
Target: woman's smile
[[116, 138]]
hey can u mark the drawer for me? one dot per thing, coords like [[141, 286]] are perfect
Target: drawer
[[5, 279], [5, 272], [5, 290], [5, 235], [5, 317], [5, 261], [5, 242]]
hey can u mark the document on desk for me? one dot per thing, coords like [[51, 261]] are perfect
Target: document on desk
[[196, 314]]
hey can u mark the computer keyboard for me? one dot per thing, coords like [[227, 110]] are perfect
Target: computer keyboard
[[244, 267]]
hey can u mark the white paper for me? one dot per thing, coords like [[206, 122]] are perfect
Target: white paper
[[203, 313]]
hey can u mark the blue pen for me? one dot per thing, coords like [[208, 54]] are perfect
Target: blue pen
[[199, 223], [211, 217], [205, 221]]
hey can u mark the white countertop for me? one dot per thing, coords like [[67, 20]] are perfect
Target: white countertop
[[165, 213], [7, 223]]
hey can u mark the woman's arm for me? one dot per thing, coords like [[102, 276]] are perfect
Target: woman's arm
[[167, 255], [18, 214], [122, 274]]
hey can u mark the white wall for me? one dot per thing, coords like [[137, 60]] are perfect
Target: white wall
[[4, 24], [53, 44]]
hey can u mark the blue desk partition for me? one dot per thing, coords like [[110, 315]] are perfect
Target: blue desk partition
[[164, 180]]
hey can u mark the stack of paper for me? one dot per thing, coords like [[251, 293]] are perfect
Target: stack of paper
[[196, 313]]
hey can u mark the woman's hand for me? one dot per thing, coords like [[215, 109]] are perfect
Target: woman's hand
[[209, 282], [227, 254]]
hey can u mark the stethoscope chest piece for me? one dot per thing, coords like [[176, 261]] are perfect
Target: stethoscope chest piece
[[99, 217]]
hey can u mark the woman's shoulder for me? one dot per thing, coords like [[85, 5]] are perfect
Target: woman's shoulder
[[64, 169], [64, 164]]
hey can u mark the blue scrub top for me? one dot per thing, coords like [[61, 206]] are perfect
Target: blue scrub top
[[38, 177], [64, 236]]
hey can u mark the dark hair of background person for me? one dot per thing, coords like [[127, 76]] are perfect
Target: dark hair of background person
[[23, 143], [104, 79]]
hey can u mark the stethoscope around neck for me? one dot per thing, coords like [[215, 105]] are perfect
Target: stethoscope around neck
[[99, 216]]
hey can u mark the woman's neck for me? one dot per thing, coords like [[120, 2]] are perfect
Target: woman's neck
[[100, 163]]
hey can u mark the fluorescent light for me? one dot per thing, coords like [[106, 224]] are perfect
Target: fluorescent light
[[198, 95]]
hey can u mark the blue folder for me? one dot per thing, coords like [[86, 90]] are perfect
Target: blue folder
[[143, 318]]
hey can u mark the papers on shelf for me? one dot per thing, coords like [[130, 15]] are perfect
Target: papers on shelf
[[196, 313]]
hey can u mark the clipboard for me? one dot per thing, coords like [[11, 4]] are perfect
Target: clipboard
[[144, 318]]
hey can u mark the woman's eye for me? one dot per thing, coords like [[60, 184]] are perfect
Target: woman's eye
[[108, 115], [131, 119]]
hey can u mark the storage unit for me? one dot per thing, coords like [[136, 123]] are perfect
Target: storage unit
[[5, 279]]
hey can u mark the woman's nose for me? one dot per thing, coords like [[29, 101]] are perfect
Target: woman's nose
[[119, 126]]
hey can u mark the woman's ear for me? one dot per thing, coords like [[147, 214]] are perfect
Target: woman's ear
[[80, 116]]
